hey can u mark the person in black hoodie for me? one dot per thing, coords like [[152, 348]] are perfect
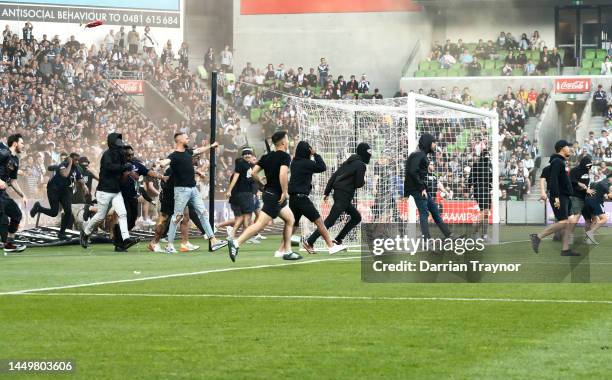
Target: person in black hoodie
[[112, 165], [349, 177], [481, 182], [560, 189], [580, 179], [302, 168], [415, 187]]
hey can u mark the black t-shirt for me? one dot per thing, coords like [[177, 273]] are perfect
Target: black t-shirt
[[79, 195], [601, 188], [167, 188], [245, 181], [65, 182], [9, 165], [182, 168], [271, 164]]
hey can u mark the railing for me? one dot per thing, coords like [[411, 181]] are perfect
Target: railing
[[585, 120], [119, 74], [410, 61]]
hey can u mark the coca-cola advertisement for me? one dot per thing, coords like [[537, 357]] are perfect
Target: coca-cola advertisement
[[573, 85]]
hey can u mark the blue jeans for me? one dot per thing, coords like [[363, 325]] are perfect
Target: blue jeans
[[182, 197], [425, 207]]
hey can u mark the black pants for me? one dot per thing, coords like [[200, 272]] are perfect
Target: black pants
[[131, 207], [342, 203], [10, 215], [59, 196]]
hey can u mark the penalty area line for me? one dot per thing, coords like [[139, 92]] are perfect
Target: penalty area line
[[174, 275], [318, 297]]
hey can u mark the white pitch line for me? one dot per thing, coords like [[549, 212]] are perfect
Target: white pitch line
[[173, 275], [316, 297]]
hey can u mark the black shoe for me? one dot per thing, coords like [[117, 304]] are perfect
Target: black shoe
[[535, 242], [62, 237], [120, 249], [84, 240], [129, 242], [12, 247], [292, 256], [233, 250], [34, 209], [569, 252]]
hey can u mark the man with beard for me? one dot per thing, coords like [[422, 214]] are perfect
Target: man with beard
[[112, 166], [10, 214]]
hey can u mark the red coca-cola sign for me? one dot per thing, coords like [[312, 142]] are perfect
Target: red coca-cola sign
[[573, 85]]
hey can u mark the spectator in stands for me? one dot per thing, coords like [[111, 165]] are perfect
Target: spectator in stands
[[555, 60], [535, 42], [572, 127], [227, 59], [183, 54], [148, 41], [544, 53], [432, 93], [323, 69], [606, 66], [607, 157], [480, 51], [447, 60], [524, 42], [209, 60], [609, 114], [600, 102], [511, 42], [521, 59], [492, 50], [507, 69], [466, 58], [133, 40], [510, 59], [515, 189], [167, 55], [377, 94], [501, 40], [28, 35], [530, 68], [542, 98], [364, 85], [543, 66], [474, 68], [120, 39]]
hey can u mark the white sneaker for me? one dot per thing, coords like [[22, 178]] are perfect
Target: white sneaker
[[150, 222], [279, 254], [188, 247], [164, 240], [590, 238], [155, 248], [337, 248], [253, 241], [170, 249], [260, 237]]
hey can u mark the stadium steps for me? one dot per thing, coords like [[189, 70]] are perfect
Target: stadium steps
[[534, 195], [596, 124], [530, 127], [254, 135]]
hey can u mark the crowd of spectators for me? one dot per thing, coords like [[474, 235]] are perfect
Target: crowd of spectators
[[527, 55]]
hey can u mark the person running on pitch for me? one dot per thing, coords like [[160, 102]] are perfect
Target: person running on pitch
[[345, 181], [300, 185], [560, 191], [594, 208], [415, 186], [544, 192], [60, 189], [185, 190], [580, 179], [240, 192], [276, 167], [10, 214], [108, 193]]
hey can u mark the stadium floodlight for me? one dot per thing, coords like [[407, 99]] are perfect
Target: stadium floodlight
[[392, 127]]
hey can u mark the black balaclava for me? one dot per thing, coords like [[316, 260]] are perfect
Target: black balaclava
[[365, 152]]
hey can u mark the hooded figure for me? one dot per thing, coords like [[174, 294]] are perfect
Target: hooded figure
[[481, 176], [560, 183], [350, 176], [302, 169], [416, 166], [579, 177], [112, 165]]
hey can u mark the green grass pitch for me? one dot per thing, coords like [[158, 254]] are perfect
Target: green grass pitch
[[263, 318]]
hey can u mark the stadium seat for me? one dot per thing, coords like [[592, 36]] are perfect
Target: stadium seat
[[586, 64], [499, 64], [589, 54], [441, 73], [419, 74], [597, 63], [454, 73], [489, 65], [595, 71], [502, 54], [584, 72], [602, 53], [552, 71], [202, 72], [424, 65], [517, 72], [430, 73]]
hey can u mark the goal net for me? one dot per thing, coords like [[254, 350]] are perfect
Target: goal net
[[392, 127]]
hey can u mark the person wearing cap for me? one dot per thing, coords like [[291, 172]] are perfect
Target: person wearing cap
[[108, 194], [560, 189], [345, 181], [580, 178], [60, 188], [302, 168], [415, 186], [594, 208], [239, 191]]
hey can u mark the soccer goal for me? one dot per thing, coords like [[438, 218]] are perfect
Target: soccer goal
[[393, 127]]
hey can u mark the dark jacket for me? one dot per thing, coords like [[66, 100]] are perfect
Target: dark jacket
[[416, 166], [559, 179], [349, 177], [580, 174], [302, 169], [112, 164], [481, 176]]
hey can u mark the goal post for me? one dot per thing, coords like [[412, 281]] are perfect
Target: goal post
[[393, 127]]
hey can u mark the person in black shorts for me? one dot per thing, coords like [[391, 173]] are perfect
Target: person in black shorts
[[240, 191], [10, 214], [300, 185], [594, 209], [560, 191], [580, 178], [544, 195], [60, 188], [345, 181], [276, 167], [481, 182]]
